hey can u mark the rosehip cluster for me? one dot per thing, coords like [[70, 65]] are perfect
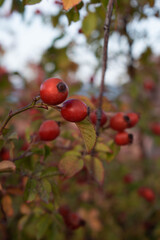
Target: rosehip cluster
[[93, 117], [120, 122], [72, 219], [54, 91]]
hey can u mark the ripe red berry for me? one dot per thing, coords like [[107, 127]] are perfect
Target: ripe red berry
[[123, 138], [119, 122], [49, 130], [146, 193], [4, 154], [133, 119], [74, 221], [38, 12], [93, 117], [149, 85], [128, 178], [58, 2], [53, 91], [74, 110], [155, 127], [64, 211]]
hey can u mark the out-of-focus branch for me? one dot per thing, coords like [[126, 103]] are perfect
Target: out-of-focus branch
[[104, 62]]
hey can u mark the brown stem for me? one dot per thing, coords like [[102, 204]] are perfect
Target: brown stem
[[105, 61], [14, 113]]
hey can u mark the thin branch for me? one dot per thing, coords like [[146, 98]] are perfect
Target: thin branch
[[11, 114], [105, 61]]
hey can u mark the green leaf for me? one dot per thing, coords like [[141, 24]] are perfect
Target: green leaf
[[9, 134], [96, 169], [72, 15], [31, 2], [1, 2], [72, 153], [30, 190], [47, 151], [42, 225], [115, 150], [89, 24], [48, 172], [101, 147], [44, 189], [70, 165], [88, 133]]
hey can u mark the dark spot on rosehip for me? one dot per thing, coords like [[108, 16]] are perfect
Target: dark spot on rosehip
[[88, 111], [59, 123], [130, 137], [61, 87], [82, 222], [126, 118]]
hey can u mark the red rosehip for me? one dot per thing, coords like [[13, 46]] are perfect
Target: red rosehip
[[119, 122], [4, 154], [123, 138], [25, 146], [49, 130], [146, 193], [133, 119], [93, 117], [53, 91], [74, 221], [38, 12], [58, 2], [74, 110], [149, 85], [64, 211], [155, 127], [128, 178]]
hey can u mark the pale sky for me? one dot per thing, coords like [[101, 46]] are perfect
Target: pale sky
[[26, 39]]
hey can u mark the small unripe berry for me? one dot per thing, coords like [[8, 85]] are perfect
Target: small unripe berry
[[119, 122], [53, 91], [74, 110], [123, 138], [93, 117], [49, 130], [133, 119]]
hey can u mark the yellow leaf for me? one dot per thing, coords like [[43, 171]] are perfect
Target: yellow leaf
[[88, 133], [70, 165], [67, 4]]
